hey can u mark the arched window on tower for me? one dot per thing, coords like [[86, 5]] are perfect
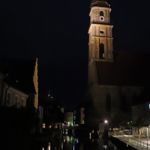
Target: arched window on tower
[[101, 51], [108, 103], [101, 13], [101, 17]]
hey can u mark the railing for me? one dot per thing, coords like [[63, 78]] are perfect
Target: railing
[[138, 143]]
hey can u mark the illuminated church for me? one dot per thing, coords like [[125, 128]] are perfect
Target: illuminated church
[[116, 80]]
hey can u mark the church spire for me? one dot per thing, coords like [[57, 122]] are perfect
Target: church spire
[[36, 86]]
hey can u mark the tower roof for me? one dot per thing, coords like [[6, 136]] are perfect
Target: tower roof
[[99, 3]]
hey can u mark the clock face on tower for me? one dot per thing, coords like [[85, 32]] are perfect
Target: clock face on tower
[[101, 18]]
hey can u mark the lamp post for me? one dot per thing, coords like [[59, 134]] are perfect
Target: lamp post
[[105, 132], [106, 124]]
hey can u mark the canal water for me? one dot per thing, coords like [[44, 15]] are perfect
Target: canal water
[[71, 143]]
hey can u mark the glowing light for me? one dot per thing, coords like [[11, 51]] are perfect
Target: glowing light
[[73, 147], [43, 125], [62, 145], [90, 135], [106, 121], [69, 123], [66, 131], [105, 146], [49, 146], [77, 141], [68, 139]]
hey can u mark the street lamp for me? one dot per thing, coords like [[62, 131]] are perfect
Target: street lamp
[[105, 121]]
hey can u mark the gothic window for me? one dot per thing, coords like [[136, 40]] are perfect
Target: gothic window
[[108, 103], [101, 51], [101, 13]]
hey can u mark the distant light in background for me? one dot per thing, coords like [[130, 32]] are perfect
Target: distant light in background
[[43, 125], [49, 146]]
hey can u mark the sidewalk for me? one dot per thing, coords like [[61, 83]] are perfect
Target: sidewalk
[[139, 144]]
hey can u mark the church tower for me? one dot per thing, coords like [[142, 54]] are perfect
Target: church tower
[[100, 56], [111, 86], [100, 32]]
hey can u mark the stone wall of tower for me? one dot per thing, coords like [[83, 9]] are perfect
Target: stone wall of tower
[[100, 34], [94, 14]]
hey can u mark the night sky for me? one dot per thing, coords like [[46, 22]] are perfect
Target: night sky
[[56, 32]]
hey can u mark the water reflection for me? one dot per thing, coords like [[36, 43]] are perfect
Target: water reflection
[[71, 143]]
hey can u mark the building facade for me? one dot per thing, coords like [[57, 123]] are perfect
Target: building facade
[[19, 86], [13, 97]]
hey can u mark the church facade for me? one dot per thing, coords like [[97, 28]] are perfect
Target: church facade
[[112, 79]]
